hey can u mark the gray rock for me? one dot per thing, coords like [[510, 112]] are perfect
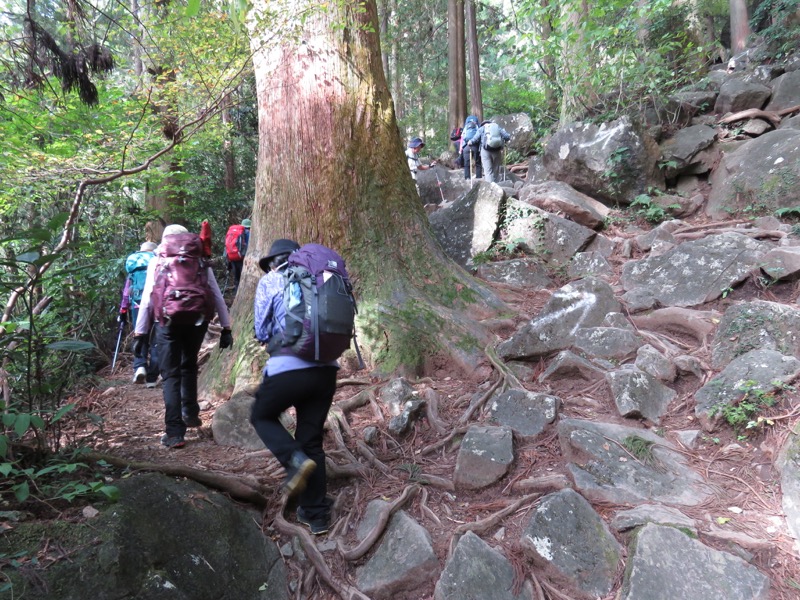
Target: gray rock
[[785, 91], [403, 560], [401, 424], [468, 226], [441, 186], [688, 437], [760, 174], [690, 364], [477, 571], [550, 238], [605, 472], [788, 463], [522, 272], [520, 127], [231, 423], [651, 361], [602, 245], [625, 520], [757, 372], [561, 198], [755, 325], [638, 394], [666, 564], [606, 342], [163, 540], [782, 264], [584, 155], [568, 365], [617, 320], [737, 94], [395, 394], [583, 303], [589, 264], [485, 456], [679, 151], [526, 413], [567, 534], [639, 299], [697, 271]]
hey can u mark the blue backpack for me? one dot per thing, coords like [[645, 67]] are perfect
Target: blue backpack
[[470, 128], [319, 303], [136, 268]]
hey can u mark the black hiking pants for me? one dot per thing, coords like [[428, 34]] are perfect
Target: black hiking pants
[[310, 391], [178, 347]]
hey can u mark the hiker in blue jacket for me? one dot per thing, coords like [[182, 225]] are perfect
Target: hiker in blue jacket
[[470, 155], [145, 364], [288, 381], [491, 139]]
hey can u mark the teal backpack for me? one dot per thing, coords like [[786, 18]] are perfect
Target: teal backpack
[[136, 267]]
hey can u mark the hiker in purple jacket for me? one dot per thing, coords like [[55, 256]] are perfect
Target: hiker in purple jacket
[[178, 346], [288, 381]]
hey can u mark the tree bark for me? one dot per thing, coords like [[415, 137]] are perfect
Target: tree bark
[[740, 25], [457, 75], [473, 51], [335, 173]]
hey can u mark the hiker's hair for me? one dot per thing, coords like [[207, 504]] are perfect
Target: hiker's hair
[[278, 260]]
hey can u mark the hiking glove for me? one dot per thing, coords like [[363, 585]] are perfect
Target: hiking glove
[[225, 338], [138, 345]]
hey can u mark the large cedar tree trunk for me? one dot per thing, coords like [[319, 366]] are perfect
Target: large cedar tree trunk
[[456, 58], [473, 50], [331, 170]]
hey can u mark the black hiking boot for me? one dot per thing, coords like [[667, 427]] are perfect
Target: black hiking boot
[[297, 473]]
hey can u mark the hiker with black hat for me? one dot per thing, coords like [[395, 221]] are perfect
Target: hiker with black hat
[[289, 381]]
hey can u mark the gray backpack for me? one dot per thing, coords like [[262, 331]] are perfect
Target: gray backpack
[[493, 139]]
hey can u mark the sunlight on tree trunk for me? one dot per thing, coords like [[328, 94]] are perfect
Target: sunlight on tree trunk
[[740, 25], [331, 170]]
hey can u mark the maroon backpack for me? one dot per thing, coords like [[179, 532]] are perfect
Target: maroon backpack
[[181, 293]]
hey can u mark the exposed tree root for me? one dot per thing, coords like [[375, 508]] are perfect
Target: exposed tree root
[[432, 411], [237, 487], [554, 593], [443, 441], [383, 518], [479, 527], [475, 406], [373, 460], [773, 116], [343, 589], [423, 504], [542, 484], [441, 483], [697, 323]]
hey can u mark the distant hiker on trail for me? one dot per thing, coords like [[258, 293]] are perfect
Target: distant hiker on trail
[[236, 241], [491, 139], [180, 298], [470, 155], [412, 156], [145, 365], [455, 137], [289, 380]]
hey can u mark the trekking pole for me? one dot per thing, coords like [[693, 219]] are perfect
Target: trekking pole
[[225, 285], [439, 183], [119, 340]]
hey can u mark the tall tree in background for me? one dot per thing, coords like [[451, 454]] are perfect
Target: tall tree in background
[[331, 170], [473, 51], [456, 61], [740, 25]]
